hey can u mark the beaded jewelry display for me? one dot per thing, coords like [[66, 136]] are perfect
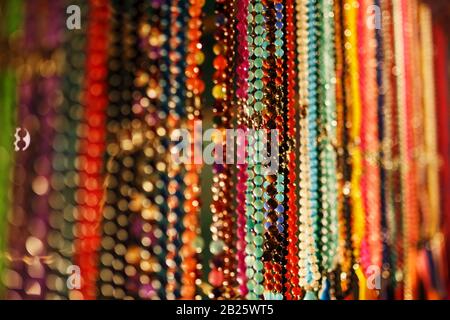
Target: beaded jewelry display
[[338, 112]]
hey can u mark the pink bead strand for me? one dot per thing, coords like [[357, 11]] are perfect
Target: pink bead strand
[[241, 92]]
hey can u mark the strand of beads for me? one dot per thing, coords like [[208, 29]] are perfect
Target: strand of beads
[[254, 203], [396, 149], [344, 275], [379, 56], [343, 252], [312, 135], [327, 140], [11, 19], [142, 186], [229, 219], [418, 151], [221, 276], [292, 288], [121, 201], [370, 181], [132, 188], [354, 105], [192, 243], [402, 18], [90, 194], [402, 131], [433, 230], [309, 269], [284, 184], [242, 66], [39, 100], [176, 172], [111, 264], [386, 105], [65, 176], [312, 121], [274, 185], [158, 145]]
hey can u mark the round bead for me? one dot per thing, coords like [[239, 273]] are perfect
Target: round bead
[[216, 247]]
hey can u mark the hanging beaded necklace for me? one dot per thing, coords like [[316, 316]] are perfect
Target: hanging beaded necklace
[[151, 79], [354, 102], [408, 211], [397, 175], [274, 185], [91, 148], [192, 243], [389, 142], [222, 274], [292, 286], [312, 137], [257, 45], [341, 279], [140, 158], [64, 177], [242, 67], [411, 215], [39, 92], [370, 182], [118, 249], [109, 275], [433, 231], [326, 142], [384, 131], [307, 72], [11, 17], [176, 94]]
